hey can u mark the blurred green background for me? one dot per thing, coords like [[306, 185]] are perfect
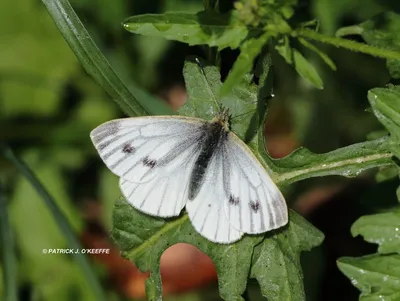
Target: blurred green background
[[48, 106]]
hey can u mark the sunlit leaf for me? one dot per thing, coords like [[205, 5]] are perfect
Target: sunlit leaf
[[376, 276], [137, 233], [206, 27], [385, 103], [279, 257], [382, 229]]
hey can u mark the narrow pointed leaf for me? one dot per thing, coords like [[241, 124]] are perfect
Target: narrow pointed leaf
[[244, 63]]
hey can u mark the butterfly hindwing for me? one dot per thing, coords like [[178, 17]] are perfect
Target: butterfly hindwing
[[206, 210], [253, 203]]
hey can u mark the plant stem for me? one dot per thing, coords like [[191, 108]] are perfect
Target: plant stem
[[60, 219], [348, 44]]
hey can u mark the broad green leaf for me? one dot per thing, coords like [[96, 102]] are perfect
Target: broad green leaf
[[321, 54], [244, 63], [205, 27], [382, 229], [383, 31], [277, 260], [293, 57], [143, 238], [385, 103], [203, 83], [376, 276]]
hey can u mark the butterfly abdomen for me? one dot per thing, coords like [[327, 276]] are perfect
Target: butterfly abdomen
[[215, 134]]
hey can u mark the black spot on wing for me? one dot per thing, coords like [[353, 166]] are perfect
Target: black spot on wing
[[128, 148], [233, 200], [255, 206], [149, 162]]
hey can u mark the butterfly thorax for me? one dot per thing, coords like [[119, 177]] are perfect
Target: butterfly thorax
[[215, 133]]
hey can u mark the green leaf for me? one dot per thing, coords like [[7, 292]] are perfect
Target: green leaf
[[348, 161], [244, 63], [205, 27], [203, 84], [306, 70], [293, 57], [321, 54], [136, 234], [383, 31], [385, 104], [277, 260], [376, 276], [382, 229]]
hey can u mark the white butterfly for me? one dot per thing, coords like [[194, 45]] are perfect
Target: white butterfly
[[168, 162]]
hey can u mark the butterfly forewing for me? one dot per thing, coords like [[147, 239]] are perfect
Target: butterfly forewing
[[136, 149], [167, 193]]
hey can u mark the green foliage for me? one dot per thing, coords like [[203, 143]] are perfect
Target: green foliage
[[275, 257], [276, 261], [382, 31], [377, 276]]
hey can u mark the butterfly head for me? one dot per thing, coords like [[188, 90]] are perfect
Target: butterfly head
[[223, 118]]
